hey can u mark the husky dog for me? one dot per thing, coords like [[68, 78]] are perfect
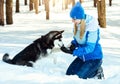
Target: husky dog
[[36, 49]]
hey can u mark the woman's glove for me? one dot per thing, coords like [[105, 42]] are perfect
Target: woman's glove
[[72, 47], [67, 49]]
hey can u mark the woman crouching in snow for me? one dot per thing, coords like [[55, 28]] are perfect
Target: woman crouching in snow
[[85, 46]]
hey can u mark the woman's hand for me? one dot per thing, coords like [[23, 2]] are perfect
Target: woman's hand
[[68, 49]]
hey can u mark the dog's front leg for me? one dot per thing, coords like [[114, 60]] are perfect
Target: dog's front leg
[[29, 64]]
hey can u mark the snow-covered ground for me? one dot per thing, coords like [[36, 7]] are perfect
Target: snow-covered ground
[[51, 70]]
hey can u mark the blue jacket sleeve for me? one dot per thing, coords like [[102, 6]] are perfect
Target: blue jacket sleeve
[[89, 46], [74, 42], [80, 51]]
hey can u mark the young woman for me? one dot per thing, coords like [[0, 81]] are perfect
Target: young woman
[[85, 46]]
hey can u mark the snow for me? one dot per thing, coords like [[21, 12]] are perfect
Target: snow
[[29, 26]]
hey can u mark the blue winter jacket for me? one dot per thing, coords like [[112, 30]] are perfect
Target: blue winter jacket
[[88, 48]]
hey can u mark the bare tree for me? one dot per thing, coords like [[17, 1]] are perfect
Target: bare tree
[[95, 2], [47, 9], [53, 3], [64, 4], [101, 13], [110, 2], [25, 2], [36, 5], [73, 2], [2, 12], [17, 6], [9, 5], [40, 3], [81, 1], [30, 5]]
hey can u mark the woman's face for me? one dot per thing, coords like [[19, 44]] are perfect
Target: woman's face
[[76, 21]]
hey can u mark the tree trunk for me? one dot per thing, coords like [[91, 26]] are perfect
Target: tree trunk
[[31, 5], [110, 2], [39, 2], [9, 19], [25, 2], [36, 5], [47, 8], [73, 3], [66, 4], [17, 6], [81, 1], [95, 3], [101, 13], [2, 12], [53, 3]]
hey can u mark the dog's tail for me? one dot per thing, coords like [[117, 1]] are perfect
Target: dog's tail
[[6, 58]]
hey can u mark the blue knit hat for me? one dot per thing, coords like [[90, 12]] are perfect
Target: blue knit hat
[[77, 12]]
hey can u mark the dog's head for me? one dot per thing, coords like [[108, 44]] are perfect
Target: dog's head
[[47, 41], [55, 35], [52, 36]]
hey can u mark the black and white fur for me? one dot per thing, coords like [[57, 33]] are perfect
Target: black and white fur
[[36, 49]]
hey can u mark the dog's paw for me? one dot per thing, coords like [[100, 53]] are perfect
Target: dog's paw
[[29, 64], [49, 51]]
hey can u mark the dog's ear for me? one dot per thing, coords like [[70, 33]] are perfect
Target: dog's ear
[[61, 31]]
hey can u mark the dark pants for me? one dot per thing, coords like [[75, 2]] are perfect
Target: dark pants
[[83, 69]]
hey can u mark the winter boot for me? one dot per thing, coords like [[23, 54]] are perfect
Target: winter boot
[[100, 74]]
